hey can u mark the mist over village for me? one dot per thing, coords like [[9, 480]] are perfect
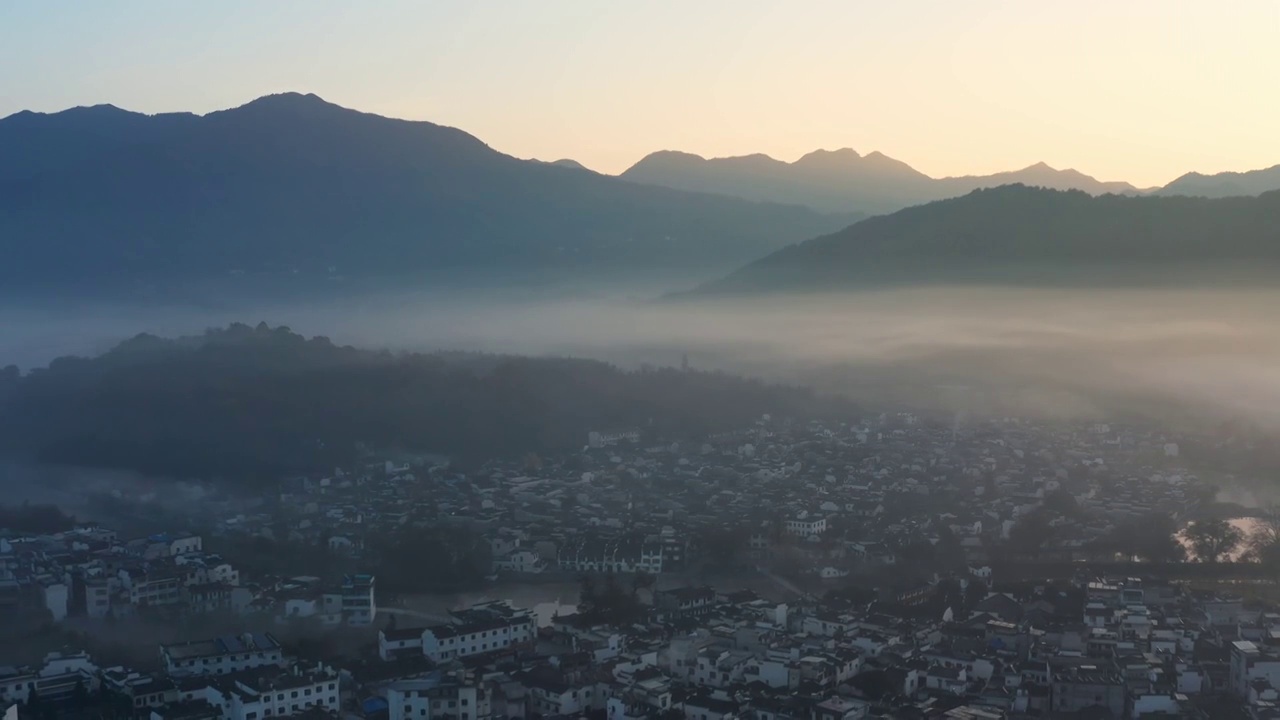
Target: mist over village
[[839, 361]]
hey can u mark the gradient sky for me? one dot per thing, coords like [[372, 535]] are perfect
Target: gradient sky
[[1137, 90]]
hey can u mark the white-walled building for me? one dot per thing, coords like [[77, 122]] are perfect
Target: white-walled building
[[57, 677], [446, 642], [354, 600], [520, 561], [427, 699], [57, 597], [222, 655], [399, 642], [806, 525], [271, 693]]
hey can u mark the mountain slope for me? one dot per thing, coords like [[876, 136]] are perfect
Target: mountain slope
[[1227, 184], [292, 183], [1020, 234], [840, 180]]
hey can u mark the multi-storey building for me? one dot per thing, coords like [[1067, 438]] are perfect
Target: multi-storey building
[[222, 655], [436, 698]]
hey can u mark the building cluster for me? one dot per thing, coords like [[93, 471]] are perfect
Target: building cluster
[[876, 539], [88, 572], [829, 499], [234, 677], [1098, 648]]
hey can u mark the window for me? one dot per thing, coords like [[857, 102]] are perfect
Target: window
[[293, 694]]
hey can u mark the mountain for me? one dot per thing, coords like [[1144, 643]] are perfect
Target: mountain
[[1038, 175], [1019, 234], [290, 184], [840, 180], [1227, 184], [570, 163]]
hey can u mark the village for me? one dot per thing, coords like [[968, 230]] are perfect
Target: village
[[892, 567]]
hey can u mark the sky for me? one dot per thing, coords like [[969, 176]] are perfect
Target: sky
[[1136, 90]]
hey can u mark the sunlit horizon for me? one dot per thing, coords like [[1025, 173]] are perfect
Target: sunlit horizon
[[1142, 92]]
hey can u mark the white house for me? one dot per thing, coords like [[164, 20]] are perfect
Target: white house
[[279, 693], [222, 655], [806, 525], [427, 699], [446, 642], [399, 642], [521, 561]]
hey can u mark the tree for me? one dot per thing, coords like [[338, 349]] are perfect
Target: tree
[[1153, 538], [948, 553], [1062, 502], [640, 581], [1030, 533], [974, 593], [1263, 544], [1212, 540], [587, 591], [875, 685]]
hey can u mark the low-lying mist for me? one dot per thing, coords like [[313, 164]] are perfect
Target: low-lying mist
[[1206, 354]]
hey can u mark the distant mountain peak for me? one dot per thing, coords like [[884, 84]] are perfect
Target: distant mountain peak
[[829, 157], [569, 163], [1225, 184], [671, 155], [293, 101], [843, 180]]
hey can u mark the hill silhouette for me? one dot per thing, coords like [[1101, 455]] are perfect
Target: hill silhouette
[[1227, 184], [291, 183], [841, 180], [1021, 234], [249, 402]]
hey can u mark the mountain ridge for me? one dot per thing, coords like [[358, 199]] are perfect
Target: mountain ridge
[[1224, 184], [841, 179], [1015, 233], [290, 183]]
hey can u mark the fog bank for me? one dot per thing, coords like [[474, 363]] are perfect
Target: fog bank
[[1055, 351]]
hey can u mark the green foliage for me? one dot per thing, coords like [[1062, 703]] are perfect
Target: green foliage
[[259, 402]]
